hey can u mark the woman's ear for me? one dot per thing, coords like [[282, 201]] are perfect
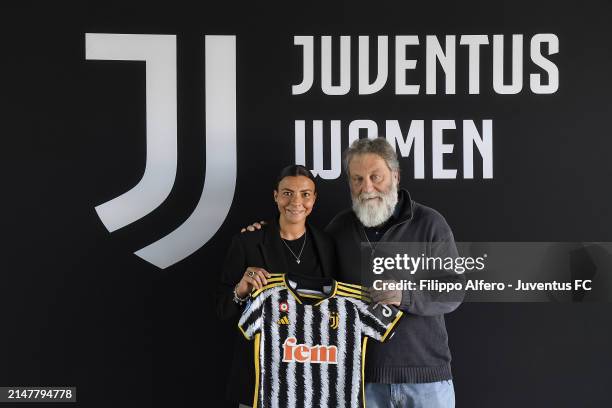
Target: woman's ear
[[275, 193]]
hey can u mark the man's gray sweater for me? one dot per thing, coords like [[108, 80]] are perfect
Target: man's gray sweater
[[418, 352]]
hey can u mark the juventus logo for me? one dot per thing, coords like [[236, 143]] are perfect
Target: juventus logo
[[334, 320], [159, 54]]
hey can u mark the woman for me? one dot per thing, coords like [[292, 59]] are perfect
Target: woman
[[287, 245]]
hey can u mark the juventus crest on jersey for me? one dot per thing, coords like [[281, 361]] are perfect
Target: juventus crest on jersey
[[310, 340]]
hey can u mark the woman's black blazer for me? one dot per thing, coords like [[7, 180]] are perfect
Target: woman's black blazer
[[262, 248]]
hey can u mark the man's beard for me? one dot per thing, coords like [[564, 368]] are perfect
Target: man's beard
[[372, 213]]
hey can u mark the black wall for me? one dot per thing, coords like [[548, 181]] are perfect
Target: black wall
[[78, 308]]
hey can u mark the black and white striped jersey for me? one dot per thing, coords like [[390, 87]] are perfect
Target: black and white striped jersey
[[310, 344]]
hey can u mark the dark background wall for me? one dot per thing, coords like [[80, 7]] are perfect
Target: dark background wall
[[79, 308]]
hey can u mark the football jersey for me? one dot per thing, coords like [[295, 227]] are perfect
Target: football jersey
[[310, 345]]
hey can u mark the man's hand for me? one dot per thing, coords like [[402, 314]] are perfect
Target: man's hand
[[253, 278], [386, 297], [254, 226]]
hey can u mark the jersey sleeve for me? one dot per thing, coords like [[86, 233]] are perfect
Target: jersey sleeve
[[378, 320], [251, 321]]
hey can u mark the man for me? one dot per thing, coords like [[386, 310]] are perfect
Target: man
[[413, 368]]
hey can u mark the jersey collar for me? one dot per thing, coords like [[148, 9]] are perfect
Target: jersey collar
[[299, 297]]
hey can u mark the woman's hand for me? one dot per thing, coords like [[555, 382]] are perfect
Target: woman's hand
[[254, 226], [253, 278]]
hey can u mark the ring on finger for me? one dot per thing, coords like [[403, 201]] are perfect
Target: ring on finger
[[251, 274]]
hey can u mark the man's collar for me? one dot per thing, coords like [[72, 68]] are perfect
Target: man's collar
[[398, 206], [404, 206]]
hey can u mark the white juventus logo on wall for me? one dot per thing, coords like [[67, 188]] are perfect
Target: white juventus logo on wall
[[159, 54]]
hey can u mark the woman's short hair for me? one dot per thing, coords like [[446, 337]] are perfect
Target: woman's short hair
[[294, 170]]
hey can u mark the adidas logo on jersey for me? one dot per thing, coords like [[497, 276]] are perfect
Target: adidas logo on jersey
[[283, 320], [303, 353]]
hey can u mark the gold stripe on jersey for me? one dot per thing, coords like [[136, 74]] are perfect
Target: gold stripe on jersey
[[350, 285], [307, 295], [363, 354], [271, 285], [353, 295], [353, 290], [243, 333], [276, 277], [256, 352]]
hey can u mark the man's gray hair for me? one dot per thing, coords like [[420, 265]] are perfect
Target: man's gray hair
[[378, 146]]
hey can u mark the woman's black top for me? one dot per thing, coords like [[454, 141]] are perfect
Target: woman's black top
[[309, 264]]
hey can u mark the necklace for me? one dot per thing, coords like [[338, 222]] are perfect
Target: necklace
[[297, 257]]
